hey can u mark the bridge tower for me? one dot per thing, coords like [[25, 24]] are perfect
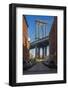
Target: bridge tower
[[40, 33]]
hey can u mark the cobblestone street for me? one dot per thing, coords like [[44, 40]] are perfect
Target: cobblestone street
[[39, 68]]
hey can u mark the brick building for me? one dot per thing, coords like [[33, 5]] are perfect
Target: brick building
[[25, 40], [53, 41]]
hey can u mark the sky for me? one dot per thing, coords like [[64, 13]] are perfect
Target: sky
[[31, 24]]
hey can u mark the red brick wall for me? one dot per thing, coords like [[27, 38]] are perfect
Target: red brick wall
[[25, 40], [53, 40]]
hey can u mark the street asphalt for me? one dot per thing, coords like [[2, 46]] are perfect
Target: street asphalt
[[39, 68]]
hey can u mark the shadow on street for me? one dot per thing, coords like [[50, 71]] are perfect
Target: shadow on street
[[39, 68]]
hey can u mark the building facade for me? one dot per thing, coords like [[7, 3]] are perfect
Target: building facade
[[25, 40], [53, 41]]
